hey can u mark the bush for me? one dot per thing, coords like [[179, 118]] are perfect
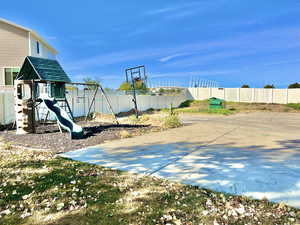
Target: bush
[[294, 85], [269, 86], [186, 103], [245, 86], [125, 134], [172, 121]]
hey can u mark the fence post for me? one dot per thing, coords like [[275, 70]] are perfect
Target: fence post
[[287, 96], [272, 97], [2, 102], [253, 95]]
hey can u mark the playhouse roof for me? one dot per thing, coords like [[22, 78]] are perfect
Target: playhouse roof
[[42, 69]]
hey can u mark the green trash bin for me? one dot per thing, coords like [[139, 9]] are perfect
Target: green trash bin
[[216, 103]]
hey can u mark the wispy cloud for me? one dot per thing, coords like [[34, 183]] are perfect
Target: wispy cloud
[[192, 73], [171, 8], [267, 41], [183, 10], [170, 57]]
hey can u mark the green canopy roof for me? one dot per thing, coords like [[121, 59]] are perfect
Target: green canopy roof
[[35, 68]]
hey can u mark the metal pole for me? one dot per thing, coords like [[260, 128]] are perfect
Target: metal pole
[[109, 104], [90, 106]]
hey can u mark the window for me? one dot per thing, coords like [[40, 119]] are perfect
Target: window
[[10, 75], [37, 47]]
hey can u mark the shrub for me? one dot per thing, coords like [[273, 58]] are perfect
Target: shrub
[[245, 86], [125, 134], [269, 86], [172, 121], [150, 110], [294, 85], [186, 103]]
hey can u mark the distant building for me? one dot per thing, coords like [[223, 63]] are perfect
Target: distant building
[[17, 42]]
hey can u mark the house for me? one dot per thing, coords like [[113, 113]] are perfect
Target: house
[[17, 42]]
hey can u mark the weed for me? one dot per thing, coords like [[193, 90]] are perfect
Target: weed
[[172, 121], [7, 146], [125, 134]]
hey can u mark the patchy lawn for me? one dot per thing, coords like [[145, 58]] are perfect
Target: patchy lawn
[[40, 188], [197, 106]]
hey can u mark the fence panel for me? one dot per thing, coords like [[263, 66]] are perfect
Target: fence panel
[[293, 95], [280, 96]]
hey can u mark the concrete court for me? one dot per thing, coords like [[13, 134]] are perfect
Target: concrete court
[[255, 154]]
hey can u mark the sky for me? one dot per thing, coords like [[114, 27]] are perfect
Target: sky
[[232, 42]]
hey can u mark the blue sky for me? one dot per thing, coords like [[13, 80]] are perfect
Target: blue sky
[[233, 42]]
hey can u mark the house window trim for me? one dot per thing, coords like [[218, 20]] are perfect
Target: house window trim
[[9, 67]]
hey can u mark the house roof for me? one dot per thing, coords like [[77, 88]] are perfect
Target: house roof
[[32, 32], [42, 69]]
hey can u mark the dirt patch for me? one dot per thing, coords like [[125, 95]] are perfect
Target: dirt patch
[[49, 138]]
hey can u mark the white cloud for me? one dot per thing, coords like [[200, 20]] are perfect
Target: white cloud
[[167, 58], [193, 73]]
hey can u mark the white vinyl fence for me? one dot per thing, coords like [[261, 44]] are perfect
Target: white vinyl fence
[[81, 100], [250, 95], [7, 109]]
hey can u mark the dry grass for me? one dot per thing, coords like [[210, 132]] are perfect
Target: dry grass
[[125, 134], [196, 106], [39, 188]]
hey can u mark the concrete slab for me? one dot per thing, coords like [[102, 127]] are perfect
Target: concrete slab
[[255, 154]]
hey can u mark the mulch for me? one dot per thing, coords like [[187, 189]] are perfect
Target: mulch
[[49, 138]]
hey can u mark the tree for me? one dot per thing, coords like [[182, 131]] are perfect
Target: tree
[[71, 88], [294, 85], [107, 89], [125, 86], [269, 86], [94, 82], [139, 86], [245, 86]]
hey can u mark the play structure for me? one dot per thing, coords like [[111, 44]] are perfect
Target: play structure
[[42, 82]]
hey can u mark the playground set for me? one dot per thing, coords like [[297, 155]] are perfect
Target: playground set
[[41, 83]]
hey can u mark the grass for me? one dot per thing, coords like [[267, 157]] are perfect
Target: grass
[[294, 106], [39, 188], [197, 106], [206, 111]]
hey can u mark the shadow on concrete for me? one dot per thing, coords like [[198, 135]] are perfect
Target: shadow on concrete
[[254, 170]]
